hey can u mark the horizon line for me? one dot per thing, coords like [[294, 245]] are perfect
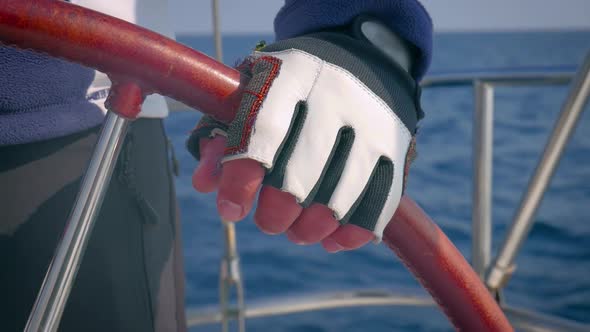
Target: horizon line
[[439, 31]]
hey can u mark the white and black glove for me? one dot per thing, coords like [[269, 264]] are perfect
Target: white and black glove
[[332, 117]]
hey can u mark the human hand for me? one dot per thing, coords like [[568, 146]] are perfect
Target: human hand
[[238, 183], [322, 136]]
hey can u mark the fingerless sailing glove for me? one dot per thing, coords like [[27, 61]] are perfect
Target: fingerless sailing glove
[[332, 117]]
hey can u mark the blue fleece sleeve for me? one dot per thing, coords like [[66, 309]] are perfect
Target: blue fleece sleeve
[[407, 18]]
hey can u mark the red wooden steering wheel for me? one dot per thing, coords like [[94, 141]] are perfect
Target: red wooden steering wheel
[[143, 62]]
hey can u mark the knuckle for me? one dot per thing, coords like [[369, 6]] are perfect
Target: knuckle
[[351, 236]]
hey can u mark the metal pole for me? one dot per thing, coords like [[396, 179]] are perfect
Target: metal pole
[[483, 139], [230, 274], [58, 282], [230, 277], [217, 31], [523, 220]]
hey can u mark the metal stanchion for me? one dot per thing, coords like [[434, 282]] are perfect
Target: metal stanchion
[[230, 278], [230, 274], [59, 279], [483, 140], [217, 30], [571, 111]]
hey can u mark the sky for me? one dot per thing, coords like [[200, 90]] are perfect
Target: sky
[[256, 16]]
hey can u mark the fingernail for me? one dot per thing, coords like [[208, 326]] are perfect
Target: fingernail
[[331, 246], [229, 211], [293, 238]]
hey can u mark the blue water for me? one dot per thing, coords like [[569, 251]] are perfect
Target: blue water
[[554, 264]]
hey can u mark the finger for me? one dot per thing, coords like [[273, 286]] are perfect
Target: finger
[[313, 225], [240, 180], [206, 176], [276, 210], [347, 237]]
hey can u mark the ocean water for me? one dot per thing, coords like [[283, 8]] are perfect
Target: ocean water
[[554, 264]]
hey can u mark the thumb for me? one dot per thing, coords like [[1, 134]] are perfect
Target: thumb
[[206, 176]]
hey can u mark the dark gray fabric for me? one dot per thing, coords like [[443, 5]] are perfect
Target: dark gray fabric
[[367, 208], [236, 128], [323, 190], [128, 260], [385, 78], [251, 102], [276, 175]]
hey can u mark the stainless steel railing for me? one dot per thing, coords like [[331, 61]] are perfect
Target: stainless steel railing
[[523, 320], [58, 282], [501, 76], [481, 214], [572, 109], [484, 83]]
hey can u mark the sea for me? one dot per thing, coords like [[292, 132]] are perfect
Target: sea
[[553, 267]]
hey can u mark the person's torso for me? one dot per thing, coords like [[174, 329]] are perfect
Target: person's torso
[[42, 97]]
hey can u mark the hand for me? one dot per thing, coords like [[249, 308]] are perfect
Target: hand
[[326, 123], [277, 212]]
